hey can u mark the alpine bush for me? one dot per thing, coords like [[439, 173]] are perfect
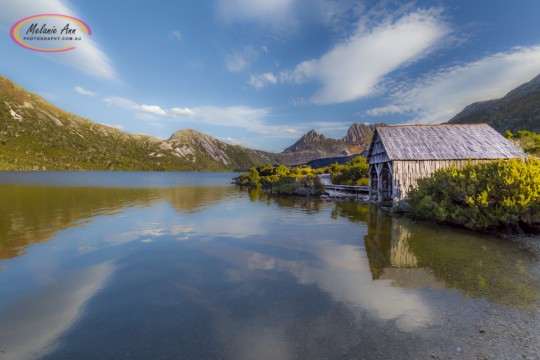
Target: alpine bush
[[501, 195]]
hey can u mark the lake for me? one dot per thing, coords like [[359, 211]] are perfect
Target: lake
[[187, 266]]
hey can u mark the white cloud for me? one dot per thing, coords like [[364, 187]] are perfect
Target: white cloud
[[87, 57], [116, 126], [261, 80], [144, 112], [251, 119], [388, 110], [440, 96], [152, 109], [244, 117], [83, 91], [182, 111], [230, 140], [120, 102], [247, 118], [353, 68], [175, 34]]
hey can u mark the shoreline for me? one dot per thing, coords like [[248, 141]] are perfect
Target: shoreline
[[530, 243]]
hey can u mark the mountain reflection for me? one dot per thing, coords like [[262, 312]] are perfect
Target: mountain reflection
[[32, 214], [408, 254], [213, 272]]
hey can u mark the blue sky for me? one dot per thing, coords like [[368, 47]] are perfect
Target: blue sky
[[260, 73]]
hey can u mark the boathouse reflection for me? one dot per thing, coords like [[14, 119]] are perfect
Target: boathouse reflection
[[423, 255]]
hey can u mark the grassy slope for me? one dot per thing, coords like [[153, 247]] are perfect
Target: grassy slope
[[48, 138]]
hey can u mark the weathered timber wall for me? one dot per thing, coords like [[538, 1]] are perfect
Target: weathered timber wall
[[407, 173]]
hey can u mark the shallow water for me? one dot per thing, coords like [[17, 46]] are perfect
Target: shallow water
[[187, 266]]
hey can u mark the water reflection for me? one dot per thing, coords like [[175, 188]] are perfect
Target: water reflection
[[211, 272], [416, 255], [46, 314], [32, 214]]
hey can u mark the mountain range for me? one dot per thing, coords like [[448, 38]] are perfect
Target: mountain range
[[313, 146], [36, 135], [518, 110]]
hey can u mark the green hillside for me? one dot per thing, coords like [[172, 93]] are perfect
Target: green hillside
[[518, 110], [35, 135]]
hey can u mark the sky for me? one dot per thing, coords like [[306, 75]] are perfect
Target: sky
[[260, 73]]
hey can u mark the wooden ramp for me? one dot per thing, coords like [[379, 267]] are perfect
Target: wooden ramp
[[348, 192]]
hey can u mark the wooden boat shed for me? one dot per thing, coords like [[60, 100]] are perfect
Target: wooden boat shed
[[399, 155]]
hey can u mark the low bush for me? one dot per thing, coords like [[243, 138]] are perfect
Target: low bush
[[501, 195], [529, 141], [354, 172], [303, 180]]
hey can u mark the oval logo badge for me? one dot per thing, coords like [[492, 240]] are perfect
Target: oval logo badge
[[49, 32]]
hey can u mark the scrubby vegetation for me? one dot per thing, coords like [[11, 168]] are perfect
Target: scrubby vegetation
[[502, 195], [354, 172], [303, 180], [36, 135], [529, 141]]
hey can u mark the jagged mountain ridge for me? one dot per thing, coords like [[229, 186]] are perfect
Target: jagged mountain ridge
[[517, 110], [360, 134], [313, 145]]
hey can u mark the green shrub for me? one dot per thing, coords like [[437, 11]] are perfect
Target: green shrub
[[529, 141], [499, 195], [354, 172], [251, 179], [285, 185], [288, 180]]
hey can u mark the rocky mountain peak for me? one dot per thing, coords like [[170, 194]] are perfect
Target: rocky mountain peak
[[184, 134], [359, 134], [312, 136], [313, 145], [307, 140]]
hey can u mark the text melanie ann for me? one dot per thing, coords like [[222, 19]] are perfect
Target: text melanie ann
[[34, 29]]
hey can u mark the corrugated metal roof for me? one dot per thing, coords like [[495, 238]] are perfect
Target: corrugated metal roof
[[445, 142]]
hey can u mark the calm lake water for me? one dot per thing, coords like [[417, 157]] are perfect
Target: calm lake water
[[187, 266]]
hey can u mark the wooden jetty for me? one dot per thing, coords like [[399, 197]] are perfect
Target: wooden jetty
[[348, 192], [343, 191]]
